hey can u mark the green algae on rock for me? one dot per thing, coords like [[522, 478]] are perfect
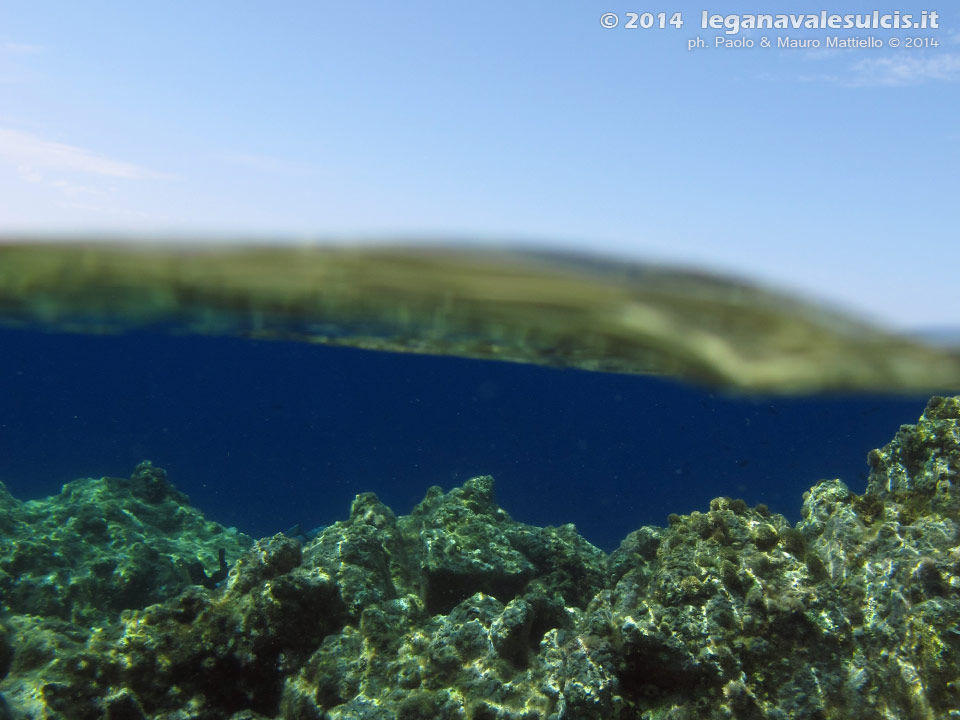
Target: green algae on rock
[[526, 307], [102, 546], [458, 612], [72, 563]]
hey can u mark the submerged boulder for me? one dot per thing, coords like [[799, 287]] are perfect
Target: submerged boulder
[[106, 545]]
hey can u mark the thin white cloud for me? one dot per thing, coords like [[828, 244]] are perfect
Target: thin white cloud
[[906, 70], [21, 48], [62, 187], [112, 212], [29, 151], [76, 189], [892, 71], [17, 72], [268, 164]]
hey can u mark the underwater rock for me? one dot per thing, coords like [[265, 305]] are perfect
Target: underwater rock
[[458, 611], [105, 545], [920, 467]]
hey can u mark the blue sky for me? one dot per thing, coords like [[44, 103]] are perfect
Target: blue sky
[[835, 172]]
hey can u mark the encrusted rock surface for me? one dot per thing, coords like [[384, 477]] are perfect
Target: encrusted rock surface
[[102, 546], [456, 611]]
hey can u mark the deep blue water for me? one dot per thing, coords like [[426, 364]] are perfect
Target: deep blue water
[[263, 435]]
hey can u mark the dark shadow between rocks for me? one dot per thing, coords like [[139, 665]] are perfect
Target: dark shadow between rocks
[[444, 590]]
